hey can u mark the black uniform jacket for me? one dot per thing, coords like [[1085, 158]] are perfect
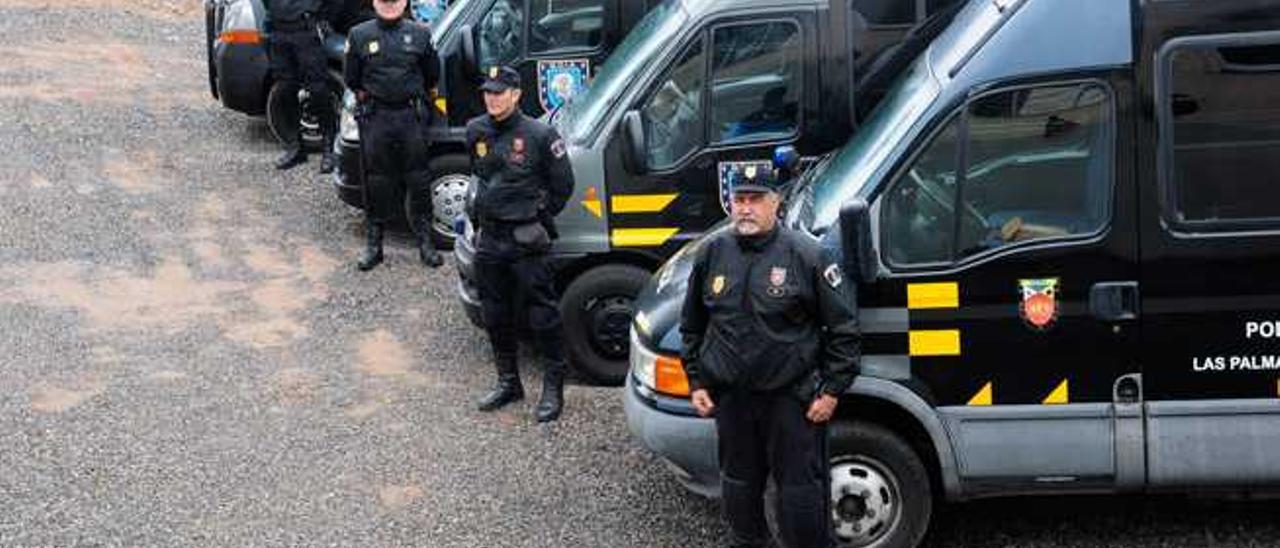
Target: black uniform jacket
[[295, 11], [769, 313], [522, 168], [394, 62]]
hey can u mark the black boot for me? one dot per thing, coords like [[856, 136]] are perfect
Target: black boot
[[428, 253], [293, 156], [328, 162], [373, 247], [551, 402], [508, 390]]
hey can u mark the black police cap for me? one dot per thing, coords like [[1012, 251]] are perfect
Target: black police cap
[[500, 79]]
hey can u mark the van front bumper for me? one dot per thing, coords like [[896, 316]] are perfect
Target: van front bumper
[[685, 442]]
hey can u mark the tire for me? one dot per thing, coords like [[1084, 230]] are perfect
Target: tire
[[210, 18], [883, 488], [597, 309], [450, 178], [285, 119]]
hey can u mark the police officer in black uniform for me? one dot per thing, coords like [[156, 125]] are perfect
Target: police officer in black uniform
[[297, 29], [391, 66], [771, 340], [524, 179]]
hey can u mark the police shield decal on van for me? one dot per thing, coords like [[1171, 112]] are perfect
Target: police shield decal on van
[[1039, 306]]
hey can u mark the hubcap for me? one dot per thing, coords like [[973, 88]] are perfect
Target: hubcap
[[448, 199], [610, 319], [865, 501]]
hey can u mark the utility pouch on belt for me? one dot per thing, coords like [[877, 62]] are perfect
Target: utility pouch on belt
[[532, 235]]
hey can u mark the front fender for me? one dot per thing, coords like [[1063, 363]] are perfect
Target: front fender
[[922, 412]]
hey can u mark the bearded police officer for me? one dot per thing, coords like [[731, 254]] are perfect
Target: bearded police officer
[[297, 30], [391, 66], [771, 340], [524, 179]]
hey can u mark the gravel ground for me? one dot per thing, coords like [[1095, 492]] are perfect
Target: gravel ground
[[189, 358]]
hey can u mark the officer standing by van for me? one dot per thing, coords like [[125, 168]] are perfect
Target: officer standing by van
[[297, 30], [391, 66], [523, 179], [771, 341]]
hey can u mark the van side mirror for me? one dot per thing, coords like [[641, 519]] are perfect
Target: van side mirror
[[859, 260], [468, 37], [633, 142]]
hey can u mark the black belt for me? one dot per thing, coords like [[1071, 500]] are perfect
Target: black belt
[[304, 24]]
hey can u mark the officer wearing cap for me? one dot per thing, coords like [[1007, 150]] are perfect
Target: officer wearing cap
[[391, 66], [523, 179], [771, 341], [297, 29]]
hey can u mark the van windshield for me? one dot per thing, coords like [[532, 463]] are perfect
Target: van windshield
[[578, 119], [857, 163]]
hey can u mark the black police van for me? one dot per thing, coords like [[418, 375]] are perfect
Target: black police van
[[556, 46], [700, 93], [1064, 230]]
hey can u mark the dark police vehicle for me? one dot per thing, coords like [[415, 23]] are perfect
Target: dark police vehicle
[[556, 45], [701, 92], [1065, 231]]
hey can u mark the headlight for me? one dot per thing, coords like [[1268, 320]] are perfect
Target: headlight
[[657, 372], [347, 127]]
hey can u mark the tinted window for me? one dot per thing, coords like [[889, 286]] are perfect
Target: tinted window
[[564, 24], [1224, 122], [672, 115], [756, 74], [1037, 165], [887, 12], [499, 34]]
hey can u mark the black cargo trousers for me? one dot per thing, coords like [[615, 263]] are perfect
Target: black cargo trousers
[[767, 433], [396, 163], [516, 284], [298, 58]]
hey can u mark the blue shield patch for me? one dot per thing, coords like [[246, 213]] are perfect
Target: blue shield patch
[[560, 81], [732, 172]]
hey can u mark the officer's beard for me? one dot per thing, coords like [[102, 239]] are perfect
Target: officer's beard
[[750, 227]]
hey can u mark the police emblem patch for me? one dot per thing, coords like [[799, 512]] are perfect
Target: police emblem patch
[[408, 39], [518, 144], [777, 279], [493, 72], [717, 285], [482, 149], [833, 275], [1039, 303], [731, 173], [561, 81], [373, 46], [557, 148]]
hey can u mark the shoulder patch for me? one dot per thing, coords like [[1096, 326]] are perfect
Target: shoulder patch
[[557, 148], [833, 275]]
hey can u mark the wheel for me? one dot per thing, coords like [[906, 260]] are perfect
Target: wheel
[[450, 182], [880, 493], [210, 18], [597, 309], [287, 118]]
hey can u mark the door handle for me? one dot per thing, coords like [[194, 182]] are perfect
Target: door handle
[[1114, 301]]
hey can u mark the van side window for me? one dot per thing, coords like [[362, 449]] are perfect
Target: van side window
[[564, 24], [886, 12], [672, 116], [757, 70], [1220, 127], [499, 33], [1016, 165]]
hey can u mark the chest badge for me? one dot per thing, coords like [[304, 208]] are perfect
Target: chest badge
[[408, 40], [717, 286], [777, 279], [518, 144], [1039, 307], [482, 149], [373, 47]]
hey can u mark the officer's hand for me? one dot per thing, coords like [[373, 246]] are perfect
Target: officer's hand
[[822, 408], [702, 402]]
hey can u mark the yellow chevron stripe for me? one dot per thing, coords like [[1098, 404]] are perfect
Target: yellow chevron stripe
[[943, 342], [642, 237], [640, 203], [1060, 395], [933, 295], [984, 396]]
